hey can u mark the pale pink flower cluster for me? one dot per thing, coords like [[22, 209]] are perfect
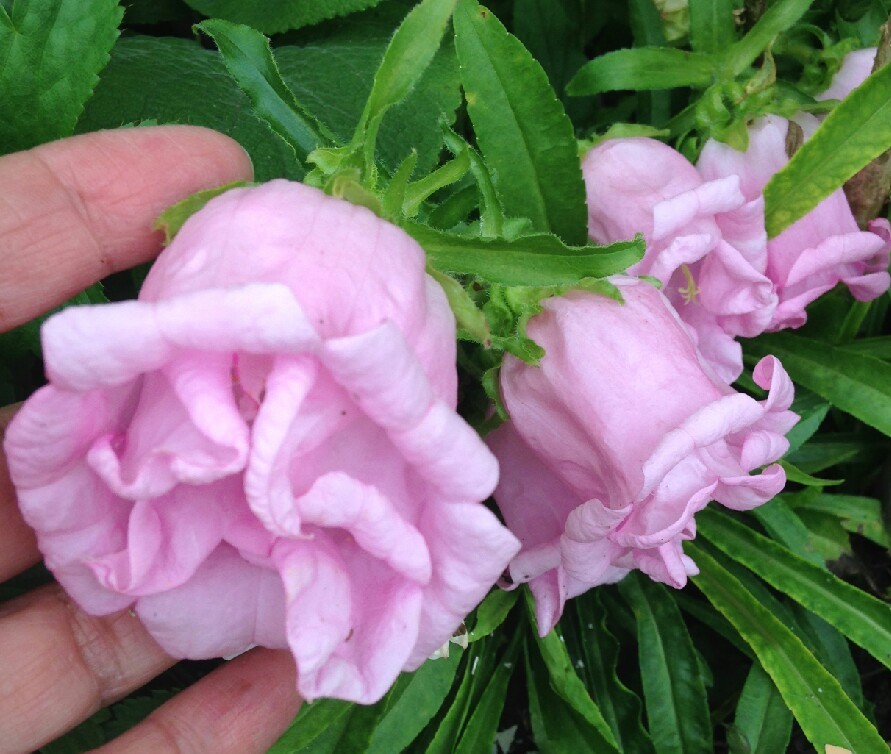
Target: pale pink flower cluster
[[264, 448], [629, 427]]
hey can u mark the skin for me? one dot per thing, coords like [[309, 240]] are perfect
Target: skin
[[72, 212]]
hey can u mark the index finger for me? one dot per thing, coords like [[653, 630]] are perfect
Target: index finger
[[76, 210]]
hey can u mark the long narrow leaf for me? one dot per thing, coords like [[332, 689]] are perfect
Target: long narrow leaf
[[826, 715], [525, 136], [643, 68], [851, 137], [249, 59], [777, 18], [711, 25], [677, 707], [763, 720], [862, 618]]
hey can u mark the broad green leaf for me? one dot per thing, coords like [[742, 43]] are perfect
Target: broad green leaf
[[855, 383], [492, 612], [274, 16], [539, 259], [526, 139], [643, 68], [779, 17], [409, 714], [249, 59], [826, 715], [852, 136], [176, 81], [410, 51], [762, 718], [712, 27], [556, 726], [565, 681], [878, 347], [676, 702], [172, 219], [861, 617], [589, 638], [52, 53]]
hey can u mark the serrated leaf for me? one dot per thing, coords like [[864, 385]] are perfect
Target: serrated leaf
[[332, 75], [852, 136], [52, 53], [525, 137], [643, 68], [536, 260], [410, 51], [862, 618], [856, 383], [779, 17], [248, 57], [676, 702], [176, 81], [274, 16], [826, 715], [762, 718], [712, 27]]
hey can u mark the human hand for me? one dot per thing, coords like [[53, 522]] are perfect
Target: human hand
[[72, 212]]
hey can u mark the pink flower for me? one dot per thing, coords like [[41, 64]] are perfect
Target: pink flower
[[619, 438], [640, 185], [854, 69], [264, 450], [811, 256]]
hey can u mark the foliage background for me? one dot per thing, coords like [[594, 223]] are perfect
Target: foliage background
[[768, 650]]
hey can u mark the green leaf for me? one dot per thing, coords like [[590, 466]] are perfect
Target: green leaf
[[861, 617], [794, 474], [249, 59], [313, 720], [526, 139], [452, 172], [332, 73], [643, 68], [539, 259], [878, 347], [826, 715], [556, 726], [566, 682], [52, 52], [779, 17], [853, 382], [274, 16], [172, 219], [859, 515], [423, 696], [589, 638], [852, 136], [812, 416], [712, 26], [176, 81], [677, 707], [492, 612], [479, 735], [762, 718], [406, 58], [785, 526]]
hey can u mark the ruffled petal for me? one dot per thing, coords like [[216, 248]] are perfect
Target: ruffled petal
[[227, 606], [87, 347]]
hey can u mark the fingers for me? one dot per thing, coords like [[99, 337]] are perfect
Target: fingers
[[76, 210], [60, 665], [240, 708], [18, 546]]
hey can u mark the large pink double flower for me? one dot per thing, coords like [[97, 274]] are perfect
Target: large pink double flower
[[619, 438], [264, 450]]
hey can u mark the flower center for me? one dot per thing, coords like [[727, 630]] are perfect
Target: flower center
[[691, 290]]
